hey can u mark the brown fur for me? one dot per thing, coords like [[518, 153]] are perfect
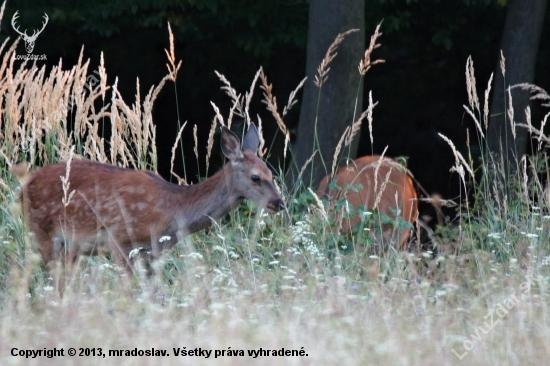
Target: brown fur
[[362, 171], [116, 210]]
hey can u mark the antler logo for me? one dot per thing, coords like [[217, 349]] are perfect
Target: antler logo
[[29, 40]]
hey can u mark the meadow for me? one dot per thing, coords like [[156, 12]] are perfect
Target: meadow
[[276, 289]]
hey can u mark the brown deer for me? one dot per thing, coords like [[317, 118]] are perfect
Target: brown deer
[[117, 210], [395, 191]]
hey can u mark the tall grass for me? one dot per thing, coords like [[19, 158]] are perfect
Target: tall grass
[[266, 281]]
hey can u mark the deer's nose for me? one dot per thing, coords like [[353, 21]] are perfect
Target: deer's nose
[[276, 205]]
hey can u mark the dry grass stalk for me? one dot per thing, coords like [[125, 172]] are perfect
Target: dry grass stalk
[[232, 93], [365, 64], [377, 167], [460, 162], [118, 146], [502, 63], [337, 151], [318, 204], [397, 204], [8, 59], [80, 90], [271, 102], [95, 145], [369, 116], [171, 65], [540, 136], [470, 159], [543, 123], [524, 179], [287, 141], [261, 150], [231, 112], [308, 161], [510, 113], [210, 142], [7, 160], [478, 125], [195, 149], [471, 84], [437, 200], [503, 174], [2, 10], [528, 117], [102, 77], [486, 103], [174, 147], [181, 181], [323, 69], [538, 93], [340, 217], [2, 49], [66, 184], [292, 97], [356, 126], [218, 115], [248, 96], [383, 186], [34, 137], [148, 125]]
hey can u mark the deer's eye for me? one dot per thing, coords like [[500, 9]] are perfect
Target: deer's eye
[[255, 178]]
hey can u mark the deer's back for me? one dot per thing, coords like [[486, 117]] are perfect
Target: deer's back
[[387, 187], [121, 204]]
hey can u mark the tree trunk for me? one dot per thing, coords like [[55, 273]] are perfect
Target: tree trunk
[[519, 44], [329, 110]]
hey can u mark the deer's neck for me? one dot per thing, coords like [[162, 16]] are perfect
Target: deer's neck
[[199, 204]]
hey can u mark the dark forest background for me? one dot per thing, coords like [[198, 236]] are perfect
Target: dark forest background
[[420, 88]]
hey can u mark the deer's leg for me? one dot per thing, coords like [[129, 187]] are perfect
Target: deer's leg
[[45, 244]]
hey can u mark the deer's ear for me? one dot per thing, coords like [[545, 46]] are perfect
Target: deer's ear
[[231, 146], [251, 140]]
